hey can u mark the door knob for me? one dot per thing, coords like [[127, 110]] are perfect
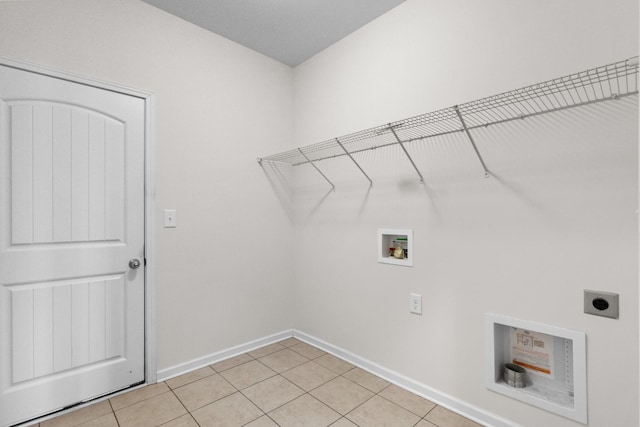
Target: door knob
[[134, 263]]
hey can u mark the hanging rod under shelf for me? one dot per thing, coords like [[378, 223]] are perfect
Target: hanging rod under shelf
[[611, 81]]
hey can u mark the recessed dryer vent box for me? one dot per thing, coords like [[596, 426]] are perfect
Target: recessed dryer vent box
[[395, 246], [554, 360]]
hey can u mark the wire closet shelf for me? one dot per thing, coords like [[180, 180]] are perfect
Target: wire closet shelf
[[612, 81]]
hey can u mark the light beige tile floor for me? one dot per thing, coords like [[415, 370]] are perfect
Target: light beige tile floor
[[287, 384]]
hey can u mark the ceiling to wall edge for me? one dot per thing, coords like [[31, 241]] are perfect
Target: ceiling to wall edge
[[288, 31], [603, 83]]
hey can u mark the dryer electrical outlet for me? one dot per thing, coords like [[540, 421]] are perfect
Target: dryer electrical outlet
[[601, 303]]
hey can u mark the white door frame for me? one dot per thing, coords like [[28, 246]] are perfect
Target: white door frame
[[150, 359]]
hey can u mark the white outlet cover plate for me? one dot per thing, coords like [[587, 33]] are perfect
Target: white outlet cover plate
[[415, 303]]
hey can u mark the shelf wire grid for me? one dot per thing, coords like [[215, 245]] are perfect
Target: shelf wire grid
[[603, 83]]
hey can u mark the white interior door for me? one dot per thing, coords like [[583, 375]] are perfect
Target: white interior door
[[71, 218]]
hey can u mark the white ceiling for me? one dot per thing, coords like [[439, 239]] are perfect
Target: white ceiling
[[290, 31]]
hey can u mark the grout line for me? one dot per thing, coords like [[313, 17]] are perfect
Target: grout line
[[183, 405], [113, 412], [254, 404], [274, 421], [194, 381], [342, 418], [315, 398], [235, 366], [141, 400], [400, 406], [194, 419], [425, 415]]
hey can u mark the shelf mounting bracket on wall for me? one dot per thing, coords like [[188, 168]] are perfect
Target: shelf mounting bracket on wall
[[354, 161], [333, 187], [466, 130], [390, 127]]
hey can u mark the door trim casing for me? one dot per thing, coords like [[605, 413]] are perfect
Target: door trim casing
[[150, 345]]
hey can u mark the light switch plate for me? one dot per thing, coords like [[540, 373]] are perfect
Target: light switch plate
[[601, 303], [170, 220]]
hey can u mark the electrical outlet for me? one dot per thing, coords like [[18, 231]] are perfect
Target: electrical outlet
[[601, 303], [415, 303]]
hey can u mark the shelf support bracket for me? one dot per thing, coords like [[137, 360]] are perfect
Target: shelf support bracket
[[333, 187], [354, 161], [466, 130], [407, 153]]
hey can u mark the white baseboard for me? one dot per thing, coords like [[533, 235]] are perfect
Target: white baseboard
[[219, 356], [456, 405]]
